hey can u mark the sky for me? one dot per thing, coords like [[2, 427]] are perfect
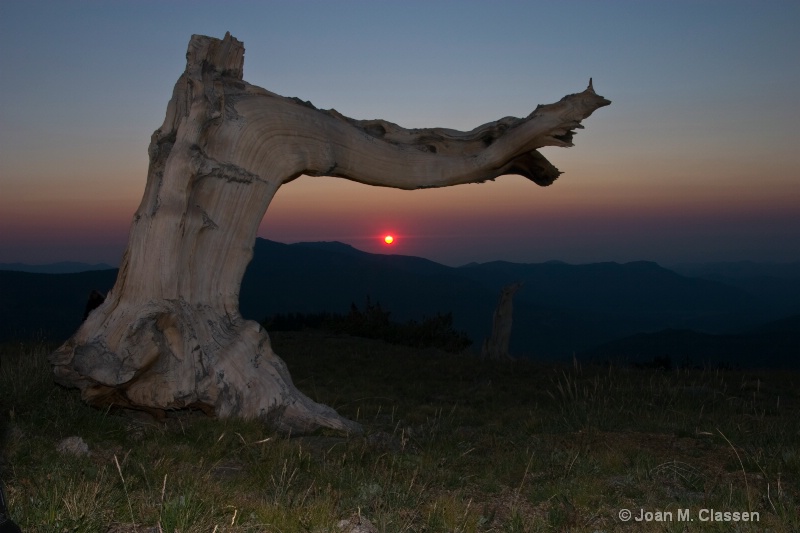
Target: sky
[[696, 160]]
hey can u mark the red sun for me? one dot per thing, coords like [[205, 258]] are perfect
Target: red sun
[[389, 239]]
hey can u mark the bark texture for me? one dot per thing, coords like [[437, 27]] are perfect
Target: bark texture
[[169, 334], [496, 346]]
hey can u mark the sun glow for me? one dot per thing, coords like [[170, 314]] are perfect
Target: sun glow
[[389, 239]]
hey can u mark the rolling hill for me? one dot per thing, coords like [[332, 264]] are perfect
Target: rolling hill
[[772, 345], [561, 310], [62, 267]]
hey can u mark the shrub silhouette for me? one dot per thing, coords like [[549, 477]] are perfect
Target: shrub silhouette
[[374, 323]]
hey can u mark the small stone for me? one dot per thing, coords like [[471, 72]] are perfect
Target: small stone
[[356, 524], [73, 445]]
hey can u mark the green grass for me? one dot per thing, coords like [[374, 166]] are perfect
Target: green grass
[[451, 443]]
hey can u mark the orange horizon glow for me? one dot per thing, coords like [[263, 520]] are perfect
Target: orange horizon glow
[[681, 167]]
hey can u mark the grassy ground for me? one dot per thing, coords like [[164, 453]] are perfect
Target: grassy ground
[[451, 444]]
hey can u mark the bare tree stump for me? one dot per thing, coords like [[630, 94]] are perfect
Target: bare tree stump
[[496, 346], [169, 334]]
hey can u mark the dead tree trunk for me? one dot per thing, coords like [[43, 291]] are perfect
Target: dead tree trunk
[[496, 346], [169, 335]]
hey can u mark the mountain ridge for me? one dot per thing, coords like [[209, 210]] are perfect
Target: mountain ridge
[[562, 309], [694, 348], [60, 267]]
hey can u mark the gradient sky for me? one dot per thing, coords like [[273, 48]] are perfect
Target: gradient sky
[[697, 159]]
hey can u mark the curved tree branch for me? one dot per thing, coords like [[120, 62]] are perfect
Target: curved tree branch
[[378, 152]]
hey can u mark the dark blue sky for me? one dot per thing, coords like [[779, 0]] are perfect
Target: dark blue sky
[[695, 160]]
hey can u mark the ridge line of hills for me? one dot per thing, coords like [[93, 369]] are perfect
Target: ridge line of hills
[[61, 267], [740, 315]]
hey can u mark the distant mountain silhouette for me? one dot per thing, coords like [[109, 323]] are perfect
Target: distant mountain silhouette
[[561, 310], [739, 270], [315, 277], [46, 306], [772, 345], [642, 293], [581, 306], [776, 284], [63, 267]]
